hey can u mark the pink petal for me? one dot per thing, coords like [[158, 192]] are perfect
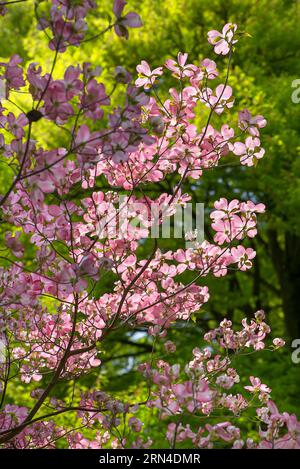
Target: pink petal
[[144, 68], [118, 7], [133, 20]]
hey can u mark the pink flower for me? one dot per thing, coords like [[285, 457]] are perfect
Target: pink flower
[[179, 68], [292, 439], [210, 68], [56, 106], [224, 208], [170, 347], [225, 381], [94, 97], [223, 98], [207, 70], [73, 85], [128, 264], [227, 229], [252, 208], [223, 41], [13, 74], [277, 342], [37, 82], [257, 386], [249, 151], [243, 257], [224, 430], [121, 74], [66, 21], [135, 424], [146, 76], [259, 315], [16, 125], [251, 124], [14, 244], [130, 20]]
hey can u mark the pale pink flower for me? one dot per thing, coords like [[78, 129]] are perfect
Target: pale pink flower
[[277, 342], [180, 69], [223, 41], [249, 152], [251, 124], [257, 386], [221, 100], [147, 76], [243, 257]]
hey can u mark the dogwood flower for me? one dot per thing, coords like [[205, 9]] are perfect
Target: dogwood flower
[[179, 68], [243, 257], [257, 386], [277, 342], [13, 73], [13, 243], [130, 20], [223, 41], [221, 100], [146, 76], [251, 124], [122, 75], [249, 152]]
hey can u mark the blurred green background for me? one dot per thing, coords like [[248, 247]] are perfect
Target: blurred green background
[[264, 67]]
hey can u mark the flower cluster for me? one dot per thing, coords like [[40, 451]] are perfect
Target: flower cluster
[[66, 21], [205, 387]]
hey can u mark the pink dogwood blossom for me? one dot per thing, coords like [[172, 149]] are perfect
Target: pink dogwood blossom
[[223, 41], [130, 20], [180, 69], [249, 152], [147, 76]]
